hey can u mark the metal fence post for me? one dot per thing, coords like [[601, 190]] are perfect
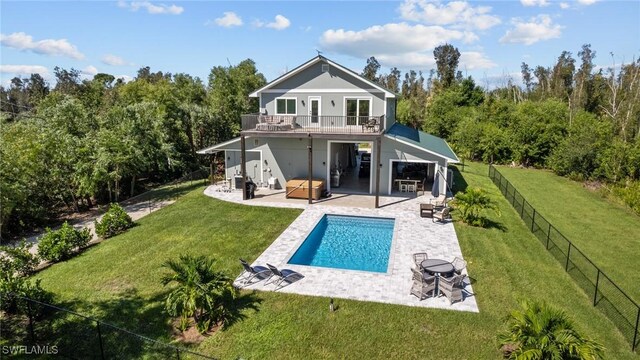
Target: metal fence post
[[100, 339], [533, 220], [522, 208], [635, 336], [566, 265], [549, 236], [33, 334], [595, 294]]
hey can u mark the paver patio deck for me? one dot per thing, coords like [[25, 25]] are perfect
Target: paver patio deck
[[411, 234]]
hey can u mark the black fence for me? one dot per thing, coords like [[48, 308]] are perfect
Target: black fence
[[623, 311], [47, 330]]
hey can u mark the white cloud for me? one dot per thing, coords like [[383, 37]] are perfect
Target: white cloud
[[388, 39], [587, 2], [535, 2], [152, 8], [400, 44], [280, 23], [472, 60], [89, 70], [538, 28], [458, 14], [55, 47], [24, 69], [229, 19], [114, 60], [125, 78], [564, 5]]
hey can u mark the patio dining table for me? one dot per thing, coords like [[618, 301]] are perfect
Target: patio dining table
[[438, 267]]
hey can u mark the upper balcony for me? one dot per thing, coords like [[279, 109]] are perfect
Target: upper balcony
[[313, 124]]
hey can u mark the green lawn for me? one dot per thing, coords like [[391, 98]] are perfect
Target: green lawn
[[608, 233], [118, 280]]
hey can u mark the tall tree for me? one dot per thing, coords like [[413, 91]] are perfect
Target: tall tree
[[370, 71], [526, 76], [447, 58]]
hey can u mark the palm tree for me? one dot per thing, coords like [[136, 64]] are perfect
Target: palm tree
[[472, 204], [201, 292], [538, 331]]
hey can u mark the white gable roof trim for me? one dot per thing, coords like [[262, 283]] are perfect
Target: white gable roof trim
[[216, 148], [313, 61]]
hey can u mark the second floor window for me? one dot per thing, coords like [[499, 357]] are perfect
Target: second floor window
[[286, 106]]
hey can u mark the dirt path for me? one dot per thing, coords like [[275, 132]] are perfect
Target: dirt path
[[135, 210]]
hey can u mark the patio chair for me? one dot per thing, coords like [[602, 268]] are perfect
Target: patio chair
[[422, 284], [440, 201], [441, 215], [459, 265], [284, 275], [452, 287], [251, 272], [418, 258], [421, 186]]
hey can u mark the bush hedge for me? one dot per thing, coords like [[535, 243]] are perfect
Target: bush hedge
[[115, 221], [56, 245], [17, 259]]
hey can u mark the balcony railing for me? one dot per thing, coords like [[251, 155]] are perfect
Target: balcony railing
[[313, 124]]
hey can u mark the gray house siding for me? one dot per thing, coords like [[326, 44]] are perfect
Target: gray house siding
[[333, 88], [390, 112], [394, 150], [287, 158], [282, 158]]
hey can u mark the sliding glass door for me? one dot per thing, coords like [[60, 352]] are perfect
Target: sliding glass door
[[357, 110]]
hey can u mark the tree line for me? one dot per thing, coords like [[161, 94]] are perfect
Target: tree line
[[573, 118], [68, 146], [85, 141]]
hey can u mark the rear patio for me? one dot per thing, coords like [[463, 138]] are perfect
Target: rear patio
[[412, 234]]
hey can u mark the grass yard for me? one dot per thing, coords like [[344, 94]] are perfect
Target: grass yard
[[118, 280], [606, 232]]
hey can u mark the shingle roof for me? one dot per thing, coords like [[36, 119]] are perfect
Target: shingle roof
[[423, 140]]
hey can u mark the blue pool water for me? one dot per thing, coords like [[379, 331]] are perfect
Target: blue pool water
[[347, 242]]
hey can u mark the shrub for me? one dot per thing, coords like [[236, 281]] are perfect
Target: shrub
[[17, 260], [115, 221], [472, 203], [56, 245], [630, 195], [539, 331], [12, 288], [201, 292]]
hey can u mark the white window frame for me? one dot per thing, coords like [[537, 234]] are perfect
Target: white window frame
[[275, 103], [344, 106]]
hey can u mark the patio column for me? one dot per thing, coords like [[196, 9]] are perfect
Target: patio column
[[378, 168], [243, 166], [310, 172], [211, 173]]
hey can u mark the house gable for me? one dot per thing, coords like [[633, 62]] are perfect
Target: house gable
[[311, 77]]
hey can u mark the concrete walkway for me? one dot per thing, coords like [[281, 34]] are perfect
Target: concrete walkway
[[412, 234]]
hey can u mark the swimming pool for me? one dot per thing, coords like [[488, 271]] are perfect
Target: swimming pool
[[347, 242]]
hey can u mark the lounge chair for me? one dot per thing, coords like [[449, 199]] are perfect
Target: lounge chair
[[422, 284], [440, 201], [251, 272], [285, 275], [459, 265], [451, 287], [441, 215], [418, 258]]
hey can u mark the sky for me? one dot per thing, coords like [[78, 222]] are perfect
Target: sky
[[493, 37]]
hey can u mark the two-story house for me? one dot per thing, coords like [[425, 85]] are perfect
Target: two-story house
[[324, 121]]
